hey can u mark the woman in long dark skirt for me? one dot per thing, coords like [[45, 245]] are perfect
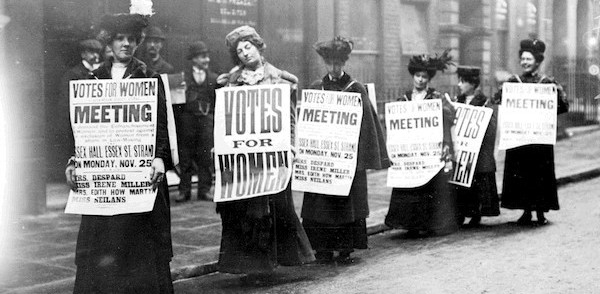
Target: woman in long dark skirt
[[338, 223], [128, 253], [529, 179], [262, 232], [481, 199], [431, 208]]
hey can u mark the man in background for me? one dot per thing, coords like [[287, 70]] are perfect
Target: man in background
[[153, 44]]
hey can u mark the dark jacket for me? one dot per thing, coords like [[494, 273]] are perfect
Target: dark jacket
[[529, 176], [200, 98], [372, 154], [129, 252], [160, 66], [486, 161]]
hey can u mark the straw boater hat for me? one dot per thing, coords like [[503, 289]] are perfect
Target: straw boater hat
[[535, 47], [337, 49], [430, 64], [469, 74]]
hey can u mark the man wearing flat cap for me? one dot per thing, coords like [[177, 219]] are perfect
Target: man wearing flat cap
[[195, 121], [529, 181], [128, 253], [153, 44]]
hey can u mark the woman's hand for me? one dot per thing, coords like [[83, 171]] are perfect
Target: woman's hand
[[70, 175], [294, 152], [223, 79], [157, 172]]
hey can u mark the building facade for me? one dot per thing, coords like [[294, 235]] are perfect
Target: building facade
[[39, 39]]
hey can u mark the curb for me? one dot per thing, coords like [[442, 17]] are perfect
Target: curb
[[193, 271]]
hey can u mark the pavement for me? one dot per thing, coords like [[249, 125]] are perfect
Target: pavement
[[41, 254]]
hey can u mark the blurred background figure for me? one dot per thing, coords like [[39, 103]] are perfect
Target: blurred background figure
[[195, 121], [153, 44], [89, 52], [107, 53]]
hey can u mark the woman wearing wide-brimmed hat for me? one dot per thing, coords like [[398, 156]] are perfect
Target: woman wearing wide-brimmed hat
[[481, 199], [128, 253], [338, 223], [431, 208], [262, 232], [529, 179]]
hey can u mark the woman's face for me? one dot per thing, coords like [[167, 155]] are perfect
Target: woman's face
[[466, 88], [335, 67], [123, 46], [528, 63], [248, 54], [420, 80]]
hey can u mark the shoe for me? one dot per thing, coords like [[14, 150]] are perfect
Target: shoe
[[525, 219], [345, 259], [475, 221], [183, 197], [324, 257], [205, 196], [541, 222], [413, 234]]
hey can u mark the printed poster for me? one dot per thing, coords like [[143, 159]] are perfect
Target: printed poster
[[470, 125], [252, 141], [414, 142], [527, 115], [114, 126], [327, 135]]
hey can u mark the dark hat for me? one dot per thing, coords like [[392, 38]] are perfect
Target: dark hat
[[464, 71], [430, 64], [245, 33], [534, 46], [337, 49], [155, 32], [122, 23], [196, 49], [92, 45], [469, 74]]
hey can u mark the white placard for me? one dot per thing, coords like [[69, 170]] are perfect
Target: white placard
[[414, 142], [252, 141], [114, 125], [527, 115], [327, 141], [470, 125]]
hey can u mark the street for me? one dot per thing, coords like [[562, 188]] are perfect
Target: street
[[498, 257]]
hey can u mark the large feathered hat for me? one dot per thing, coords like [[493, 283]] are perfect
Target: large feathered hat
[[132, 23], [337, 49], [430, 64]]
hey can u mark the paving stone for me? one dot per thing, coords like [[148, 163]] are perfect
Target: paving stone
[[23, 274], [44, 251], [206, 255], [198, 237]]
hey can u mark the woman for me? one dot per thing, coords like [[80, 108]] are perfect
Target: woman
[[128, 253], [261, 232], [529, 180], [337, 223], [429, 209], [481, 199]]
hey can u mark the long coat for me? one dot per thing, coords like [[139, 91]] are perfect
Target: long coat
[[431, 207], [372, 154], [129, 253], [529, 178], [263, 232], [481, 199]]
